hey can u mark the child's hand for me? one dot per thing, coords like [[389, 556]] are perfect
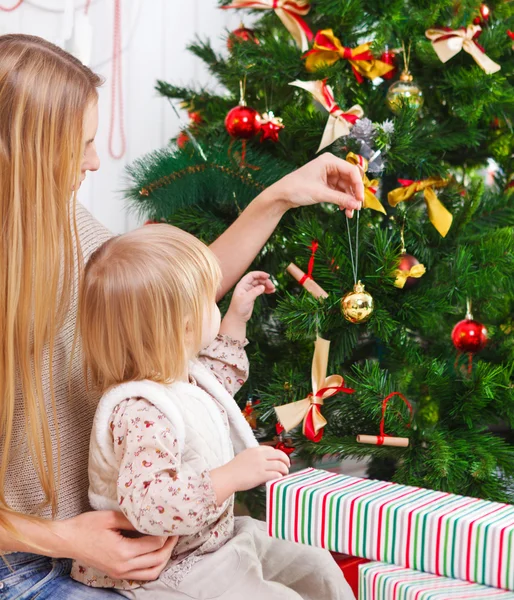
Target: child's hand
[[250, 468], [243, 299], [251, 286]]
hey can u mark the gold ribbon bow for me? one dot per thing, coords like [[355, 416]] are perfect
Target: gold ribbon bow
[[449, 42], [327, 50], [370, 187], [308, 409], [339, 122], [440, 217], [290, 12], [402, 276]]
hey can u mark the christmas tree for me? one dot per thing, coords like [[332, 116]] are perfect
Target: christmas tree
[[421, 95]]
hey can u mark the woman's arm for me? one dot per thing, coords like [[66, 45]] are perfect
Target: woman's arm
[[325, 179]]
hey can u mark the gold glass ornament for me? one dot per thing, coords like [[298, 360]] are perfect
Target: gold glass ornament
[[405, 92], [357, 305]]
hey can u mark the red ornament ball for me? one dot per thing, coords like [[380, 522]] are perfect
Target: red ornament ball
[[469, 336], [182, 140], [195, 116], [242, 34], [408, 261], [243, 122]]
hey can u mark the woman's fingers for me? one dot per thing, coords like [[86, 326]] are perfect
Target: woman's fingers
[[154, 559], [341, 199], [148, 544], [345, 174]]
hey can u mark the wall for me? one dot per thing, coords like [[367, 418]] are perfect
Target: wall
[[154, 37]]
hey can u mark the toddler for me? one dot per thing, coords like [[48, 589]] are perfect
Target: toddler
[[169, 446]]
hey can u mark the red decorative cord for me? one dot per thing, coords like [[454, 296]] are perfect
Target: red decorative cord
[[117, 86], [314, 248], [383, 434], [11, 8], [86, 7]]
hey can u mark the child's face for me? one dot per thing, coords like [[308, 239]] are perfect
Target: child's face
[[210, 324]]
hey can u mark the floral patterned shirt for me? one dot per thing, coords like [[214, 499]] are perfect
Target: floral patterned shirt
[[156, 492]]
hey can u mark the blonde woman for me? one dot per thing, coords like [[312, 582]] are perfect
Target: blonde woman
[[48, 122], [169, 446]]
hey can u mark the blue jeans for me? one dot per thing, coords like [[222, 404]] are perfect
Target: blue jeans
[[34, 577]]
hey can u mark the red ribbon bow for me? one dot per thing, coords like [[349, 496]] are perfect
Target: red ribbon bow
[[288, 11], [310, 429], [383, 434], [314, 248]]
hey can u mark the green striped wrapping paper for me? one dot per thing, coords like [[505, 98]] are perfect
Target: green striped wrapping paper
[[434, 532], [380, 581]]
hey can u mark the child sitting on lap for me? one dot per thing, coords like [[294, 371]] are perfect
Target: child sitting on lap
[[169, 446]]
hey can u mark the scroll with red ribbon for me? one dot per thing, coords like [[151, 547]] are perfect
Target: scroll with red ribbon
[[308, 410], [384, 439], [327, 50], [339, 122], [449, 42], [290, 12], [305, 279]]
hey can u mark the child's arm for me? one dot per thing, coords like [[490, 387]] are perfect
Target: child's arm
[[157, 492], [226, 356], [227, 360], [251, 286]]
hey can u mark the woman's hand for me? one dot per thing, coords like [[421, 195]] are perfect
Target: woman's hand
[[324, 179], [95, 540]]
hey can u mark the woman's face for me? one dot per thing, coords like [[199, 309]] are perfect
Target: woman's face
[[90, 160]]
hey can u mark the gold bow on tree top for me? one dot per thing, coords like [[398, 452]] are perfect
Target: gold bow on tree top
[[449, 42], [308, 410], [327, 50], [440, 217], [339, 122], [290, 12], [370, 187]]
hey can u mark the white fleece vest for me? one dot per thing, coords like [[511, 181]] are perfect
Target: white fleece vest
[[196, 418]]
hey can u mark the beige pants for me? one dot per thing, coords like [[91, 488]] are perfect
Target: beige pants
[[253, 566]]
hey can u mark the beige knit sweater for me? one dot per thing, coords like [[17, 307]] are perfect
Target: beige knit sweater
[[75, 411]]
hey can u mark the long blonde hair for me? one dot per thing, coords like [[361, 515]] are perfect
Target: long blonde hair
[[139, 292], [44, 93]]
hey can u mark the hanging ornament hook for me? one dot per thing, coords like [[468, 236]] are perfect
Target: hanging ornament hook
[[402, 237], [242, 91], [469, 314]]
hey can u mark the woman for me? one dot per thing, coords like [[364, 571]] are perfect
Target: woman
[[48, 122]]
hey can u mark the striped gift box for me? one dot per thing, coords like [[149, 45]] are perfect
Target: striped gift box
[[380, 581], [434, 532]]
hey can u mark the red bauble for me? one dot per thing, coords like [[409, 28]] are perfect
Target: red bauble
[[469, 336], [388, 58], [407, 261], [242, 34], [182, 140], [243, 122], [195, 116]]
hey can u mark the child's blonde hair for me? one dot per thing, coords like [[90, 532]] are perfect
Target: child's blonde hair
[[139, 291]]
